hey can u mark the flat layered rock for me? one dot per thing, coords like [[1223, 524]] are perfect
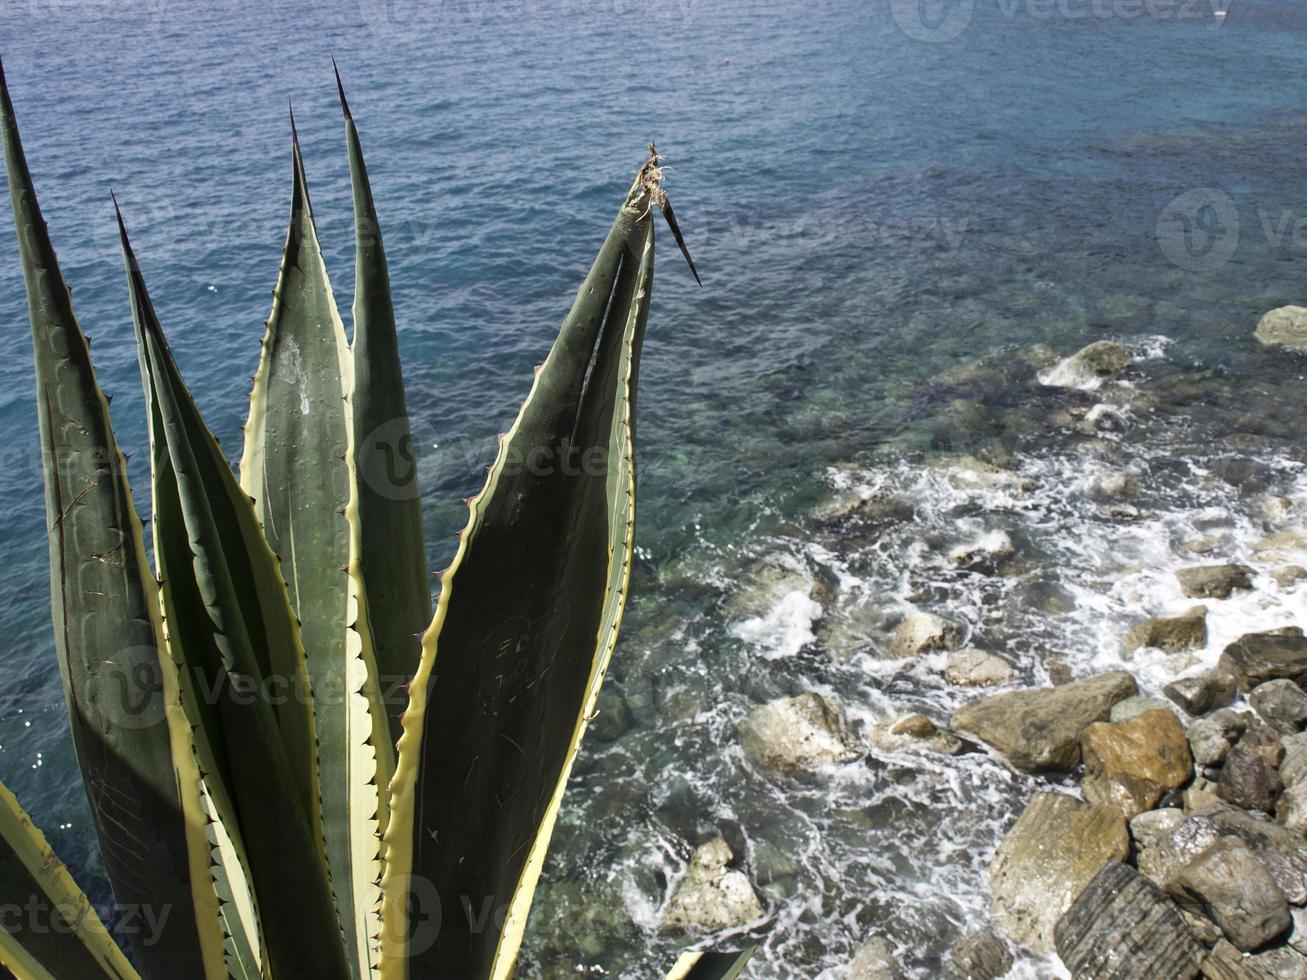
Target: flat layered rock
[[983, 955], [1047, 859], [1226, 962], [1039, 729], [1132, 765], [1122, 927], [1260, 657]]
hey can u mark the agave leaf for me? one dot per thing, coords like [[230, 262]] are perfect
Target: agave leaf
[[710, 966], [59, 934], [132, 738], [391, 552], [524, 629], [232, 628], [298, 466]]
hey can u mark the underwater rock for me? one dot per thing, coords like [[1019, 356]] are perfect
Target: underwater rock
[[985, 553], [874, 961], [977, 668], [1132, 765], [922, 632], [1039, 728], [1234, 889], [1284, 327], [798, 735], [712, 896], [1122, 927], [1214, 581], [916, 731], [1288, 575], [1053, 851], [1174, 634], [1089, 367], [614, 718]]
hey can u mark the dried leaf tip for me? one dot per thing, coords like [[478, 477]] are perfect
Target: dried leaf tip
[[340, 90], [650, 181]]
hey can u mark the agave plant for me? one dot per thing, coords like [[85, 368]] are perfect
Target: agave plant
[[299, 768]]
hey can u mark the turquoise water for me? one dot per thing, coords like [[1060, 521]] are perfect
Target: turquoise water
[[877, 194]]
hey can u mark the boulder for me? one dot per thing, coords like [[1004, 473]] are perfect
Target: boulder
[[1298, 933], [1291, 809], [976, 668], [1053, 851], [1284, 327], [984, 553], [983, 955], [1135, 706], [1293, 767], [1210, 738], [1264, 741], [1256, 658], [1282, 852], [1122, 927], [1149, 828], [1039, 728], [1288, 575], [875, 961], [798, 735], [1089, 367], [916, 732], [613, 717], [712, 896], [1200, 693], [922, 632], [1226, 962], [1174, 634], [1282, 705], [1234, 889], [1247, 781], [1132, 765], [1162, 861], [1214, 581]]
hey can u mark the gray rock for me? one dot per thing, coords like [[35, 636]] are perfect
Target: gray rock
[[1234, 889], [1293, 767], [1283, 853], [1122, 927], [1210, 738], [916, 731], [1264, 741], [1284, 327], [1260, 657], [1174, 634], [1298, 932], [976, 668], [614, 718], [1200, 794], [1214, 581], [1282, 705], [1161, 862], [1225, 962], [1288, 575], [712, 896], [922, 632], [1247, 781], [1048, 857], [798, 735], [985, 553], [983, 955], [1089, 367], [1200, 693], [875, 961], [1123, 711], [1149, 828], [1039, 729], [1291, 809]]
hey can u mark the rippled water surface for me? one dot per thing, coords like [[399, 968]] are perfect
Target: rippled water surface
[[901, 212]]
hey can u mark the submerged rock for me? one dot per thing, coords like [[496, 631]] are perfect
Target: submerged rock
[[1282, 705], [1284, 327], [712, 896], [1089, 367], [1053, 851], [875, 961], [1256, 658], [983, 955], [798, 735], [976, 668], [1214, 581], [1288, 575], [1174, 634], [1226, 962], [1132, 765], [1234, 889], [1200, 693], [1039, 728], [916, 731], [1122, 927], [613, 718], [922, 632], [985, 553]]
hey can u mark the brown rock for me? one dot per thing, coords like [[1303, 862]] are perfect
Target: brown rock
[[1200, 693], [976, 668], [1260, 657], [1225, 962], [1188, 631], [1131, 766], [1214, 581], [922, 632], [1247, 781]]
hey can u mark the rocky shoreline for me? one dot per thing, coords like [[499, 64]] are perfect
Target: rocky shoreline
[[1166, 835]]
